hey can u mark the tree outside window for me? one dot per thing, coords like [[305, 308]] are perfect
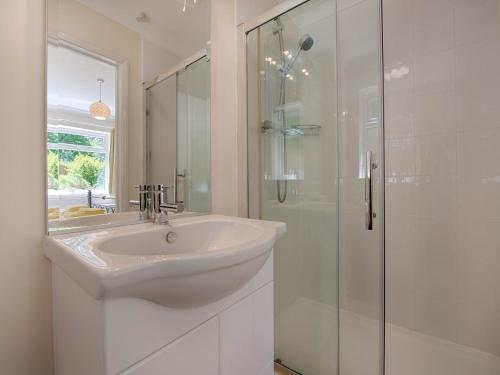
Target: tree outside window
[[77, 162]]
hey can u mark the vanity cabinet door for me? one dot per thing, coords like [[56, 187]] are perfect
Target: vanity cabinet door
[[195, 353], [246, 335]]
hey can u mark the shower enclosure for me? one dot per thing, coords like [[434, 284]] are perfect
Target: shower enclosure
[[178, 132], [315, 161]]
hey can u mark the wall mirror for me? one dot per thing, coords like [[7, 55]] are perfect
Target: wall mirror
[[128, 103]]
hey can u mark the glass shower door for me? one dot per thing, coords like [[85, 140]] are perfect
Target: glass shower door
[[178, 135], [314, 154], [161, 131], [193, 135], [361, 255], [293, 177]]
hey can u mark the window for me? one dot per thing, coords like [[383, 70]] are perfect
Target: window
[[81, 152], [77, 160]]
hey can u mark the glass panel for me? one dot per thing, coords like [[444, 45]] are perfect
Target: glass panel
[[161, 132], [307, 166], [178, 135], [360, 250], [193, 137], [292, 138]]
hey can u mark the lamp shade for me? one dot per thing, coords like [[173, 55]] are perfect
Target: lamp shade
[[99, 110]]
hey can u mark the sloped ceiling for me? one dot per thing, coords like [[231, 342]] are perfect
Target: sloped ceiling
[[180, 33]]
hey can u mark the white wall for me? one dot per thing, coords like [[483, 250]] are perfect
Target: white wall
[[224, 116], [246, 10], [156, 60], [443, 173], [25, 315]]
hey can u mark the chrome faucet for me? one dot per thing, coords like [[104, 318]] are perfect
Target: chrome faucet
[[144, 202], [153, 203], [160, 205]]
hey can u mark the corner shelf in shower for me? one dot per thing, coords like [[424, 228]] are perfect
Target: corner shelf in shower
[[307, 129], [304, 130], [296, 106]]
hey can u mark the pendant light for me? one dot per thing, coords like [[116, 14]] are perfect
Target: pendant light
[[100, 110]]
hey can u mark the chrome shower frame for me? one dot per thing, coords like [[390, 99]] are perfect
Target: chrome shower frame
[[282, 185]]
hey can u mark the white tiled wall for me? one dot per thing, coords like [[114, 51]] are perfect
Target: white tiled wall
[[442, 108]]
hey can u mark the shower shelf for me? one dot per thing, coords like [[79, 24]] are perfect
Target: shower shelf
[[307, 129], [294, 131], [296, 106]]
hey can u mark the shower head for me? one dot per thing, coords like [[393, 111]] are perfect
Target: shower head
[[306, 42]]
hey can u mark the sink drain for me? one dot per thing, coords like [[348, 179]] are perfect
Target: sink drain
[[171, 237]]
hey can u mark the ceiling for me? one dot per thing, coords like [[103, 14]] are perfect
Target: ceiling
[[72, 80], [180, 33]]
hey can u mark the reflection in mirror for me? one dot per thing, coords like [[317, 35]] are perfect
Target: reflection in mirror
[[81, 156], [102, 56], [193, 153], [178, 133]]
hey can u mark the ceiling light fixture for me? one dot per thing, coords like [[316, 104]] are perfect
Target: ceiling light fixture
[[142, 18], [100, 110]]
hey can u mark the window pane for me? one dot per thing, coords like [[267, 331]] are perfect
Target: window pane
[[75, 139], [53, 169], [71, 170], [52, 137]]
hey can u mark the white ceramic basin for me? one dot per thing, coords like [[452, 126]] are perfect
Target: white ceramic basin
[[211, 257]]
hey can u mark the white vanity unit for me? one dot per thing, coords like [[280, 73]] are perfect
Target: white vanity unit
[[193, 297]]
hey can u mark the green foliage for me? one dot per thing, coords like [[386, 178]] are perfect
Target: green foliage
[[53, 170], [52, 138], [70, 169], [53, 164], [74, 139], [86, 167], [71, 181], [69, 155]]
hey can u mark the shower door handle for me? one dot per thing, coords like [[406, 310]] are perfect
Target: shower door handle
[[176, 185], [369, 166]]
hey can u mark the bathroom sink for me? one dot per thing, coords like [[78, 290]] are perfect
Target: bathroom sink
[[192, 261]]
